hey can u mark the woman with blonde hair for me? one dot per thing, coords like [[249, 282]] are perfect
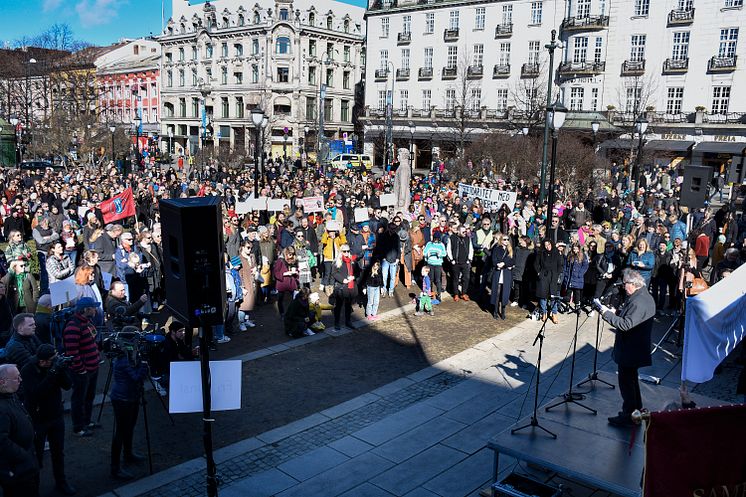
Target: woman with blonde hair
[[86, 287], [502, 274], [642, 260], [345, 286]]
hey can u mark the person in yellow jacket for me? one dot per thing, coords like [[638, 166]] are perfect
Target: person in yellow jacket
[[331, 241], [315, 308]]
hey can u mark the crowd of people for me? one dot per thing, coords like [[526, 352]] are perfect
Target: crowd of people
[[436, 244]]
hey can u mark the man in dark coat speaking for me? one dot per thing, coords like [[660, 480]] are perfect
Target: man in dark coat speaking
[[633, 323]]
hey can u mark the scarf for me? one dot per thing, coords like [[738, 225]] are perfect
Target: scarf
[[20, 277], [348, 262]]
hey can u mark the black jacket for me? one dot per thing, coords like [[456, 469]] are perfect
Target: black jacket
[[633, 323], [339, 274], [16, 440], [549, 267], [42, 391], [20, 349]]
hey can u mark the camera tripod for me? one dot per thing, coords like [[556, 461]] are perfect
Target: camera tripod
[[534, 421], [107, 384], [570, 397]]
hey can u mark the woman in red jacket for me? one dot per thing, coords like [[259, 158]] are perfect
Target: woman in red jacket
[[285, 273]]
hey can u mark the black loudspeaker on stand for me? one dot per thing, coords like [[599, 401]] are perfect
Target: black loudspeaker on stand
[[534, 421], [195, 288], [570, 397]]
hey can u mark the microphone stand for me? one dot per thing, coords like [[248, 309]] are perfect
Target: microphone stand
[[594, 375], [570, 397], [534, 421]]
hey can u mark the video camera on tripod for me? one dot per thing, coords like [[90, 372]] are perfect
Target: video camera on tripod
[[140, 345]]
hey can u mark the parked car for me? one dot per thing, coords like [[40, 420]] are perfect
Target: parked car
[[352, 161]]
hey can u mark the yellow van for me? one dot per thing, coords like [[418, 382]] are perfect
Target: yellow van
[[352, 161]]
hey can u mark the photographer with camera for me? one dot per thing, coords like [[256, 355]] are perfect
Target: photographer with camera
[[119, 311], [44, 377], [130, 371]]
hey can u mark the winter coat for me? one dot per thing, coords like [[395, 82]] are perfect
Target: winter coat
[[520, 256], [16, 440], [339, 274], [499, 254], [633, 325], [648, 263], [42, 391], [20, 348], [30, 292], [549, 268], [574, 273], [283, 283]]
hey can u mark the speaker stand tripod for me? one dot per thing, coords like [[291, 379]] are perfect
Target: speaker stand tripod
[[569, 397], [534, 421], [594, 375]]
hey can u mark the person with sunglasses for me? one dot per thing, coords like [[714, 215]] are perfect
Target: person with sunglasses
[[502, 262], [21, 290], [345, 286]]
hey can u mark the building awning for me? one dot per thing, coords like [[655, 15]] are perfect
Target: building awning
[[619, 143], [669, 145], [733, 148]]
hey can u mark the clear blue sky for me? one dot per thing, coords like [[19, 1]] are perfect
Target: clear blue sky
[[99, 22]]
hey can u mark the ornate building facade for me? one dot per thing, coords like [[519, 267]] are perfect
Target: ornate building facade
[[298, 61]]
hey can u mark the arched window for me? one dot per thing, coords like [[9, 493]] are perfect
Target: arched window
[[283, 45], [283, 14], [329, 22], [241, 20], [257, 18], [347, 26], [311, 18], [226, 22]]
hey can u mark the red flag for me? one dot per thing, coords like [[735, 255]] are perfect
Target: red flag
[[118, 207], [696, 453]]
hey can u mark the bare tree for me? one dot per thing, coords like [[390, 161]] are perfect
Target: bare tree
[[58, 36], [530, 96], [577, 164]]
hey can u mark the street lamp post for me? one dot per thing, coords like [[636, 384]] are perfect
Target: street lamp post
[[556, 114], [641, 126], [305, 144], [265, 122], [551, 46], [257, 116], [137, 122], [389, 117], [112, 129], [595, 125], [14, 122], [285, 145]]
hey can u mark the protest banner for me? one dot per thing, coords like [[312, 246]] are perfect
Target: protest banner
[[387, 199], [277, 204], [361, 214], [313, 204], [63, 291], [251, 204], [490, 197], [185, 388]]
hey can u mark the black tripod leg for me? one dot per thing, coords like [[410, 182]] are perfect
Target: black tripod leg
[[106, 390], [147, 429]]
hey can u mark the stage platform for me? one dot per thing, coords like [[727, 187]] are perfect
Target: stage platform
[[588, 450]]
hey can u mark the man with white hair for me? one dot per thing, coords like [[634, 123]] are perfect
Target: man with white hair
[[19, 468], [633, 323]]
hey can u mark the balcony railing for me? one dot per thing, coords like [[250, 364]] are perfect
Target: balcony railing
[[678, 17], [501, 71], [383, 4], [588, 23], [572, 69], [402, 74], [475, 71], [722, 64], [449, 72], [404, 38], [530, 70], [450, 34], [633, 67], [425, 73], [504, 30], [676, 66], [382, 74]]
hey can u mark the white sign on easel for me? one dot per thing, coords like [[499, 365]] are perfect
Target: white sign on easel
[[63, 291], [387, 199], [185, 386]]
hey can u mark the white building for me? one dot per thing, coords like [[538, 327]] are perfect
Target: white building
[[223, 58], [469, 65]]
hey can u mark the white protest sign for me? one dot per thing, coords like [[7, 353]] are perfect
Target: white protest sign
[[185, 386], [388, 199], [333, 226], [82, 212], [277, 204], [361, 214], [243, 207], [313, 204], [63, 291], [490, 197]]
